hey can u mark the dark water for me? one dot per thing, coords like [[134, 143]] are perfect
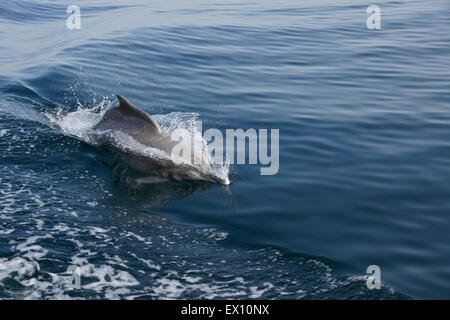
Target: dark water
[[364, 120]]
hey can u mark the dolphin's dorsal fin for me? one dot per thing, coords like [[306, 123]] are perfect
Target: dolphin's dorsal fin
[[124, 103], [127, 109]]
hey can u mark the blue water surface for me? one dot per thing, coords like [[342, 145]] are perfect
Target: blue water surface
[[364, 176]]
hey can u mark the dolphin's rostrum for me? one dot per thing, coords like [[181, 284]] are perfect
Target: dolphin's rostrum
[[144, 129]]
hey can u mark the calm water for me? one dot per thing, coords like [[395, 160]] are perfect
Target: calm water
[[364, 179]]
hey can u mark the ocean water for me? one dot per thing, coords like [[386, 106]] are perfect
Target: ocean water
[[364, 150]]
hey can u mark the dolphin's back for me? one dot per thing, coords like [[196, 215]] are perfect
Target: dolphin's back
[[136, 123], [128, 118]]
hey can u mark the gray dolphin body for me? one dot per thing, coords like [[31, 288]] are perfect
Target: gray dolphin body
[[144, 129]]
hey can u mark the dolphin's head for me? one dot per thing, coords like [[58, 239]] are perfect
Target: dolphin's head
[[224, 181], [190, 173], [210, 176]]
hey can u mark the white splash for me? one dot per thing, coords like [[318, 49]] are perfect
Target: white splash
[[80, 123]]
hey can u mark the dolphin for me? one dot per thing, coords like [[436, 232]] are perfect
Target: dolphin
[[139, 125]]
